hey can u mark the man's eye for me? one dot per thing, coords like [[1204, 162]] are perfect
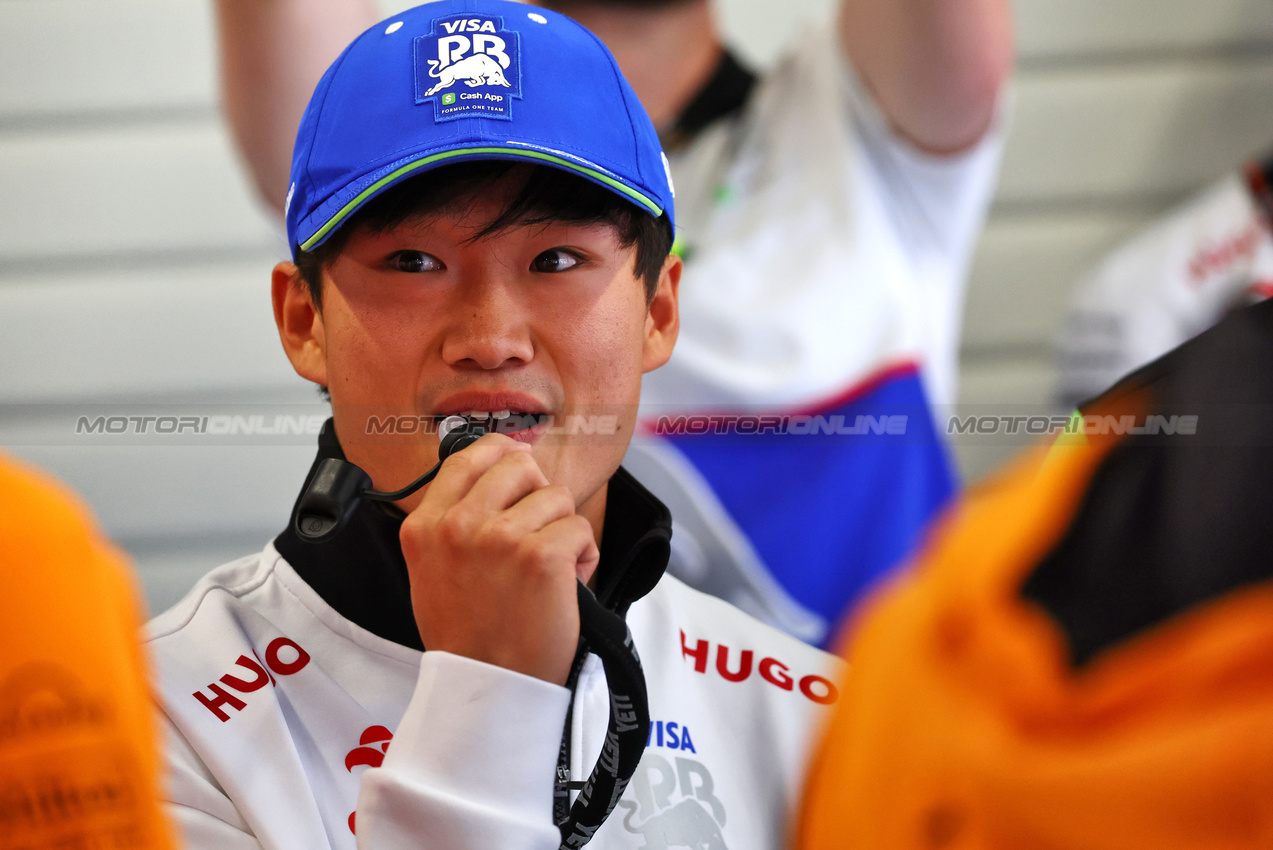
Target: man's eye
[[414, 262], [554, 260]]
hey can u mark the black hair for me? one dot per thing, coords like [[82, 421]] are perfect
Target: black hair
[[547, 195]]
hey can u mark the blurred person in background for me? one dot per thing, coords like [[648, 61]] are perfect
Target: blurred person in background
[[1175, 279], [1083, 658], [828, 211], [78, 758]]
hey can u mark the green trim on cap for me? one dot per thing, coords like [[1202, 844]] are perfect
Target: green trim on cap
[[362, 196]]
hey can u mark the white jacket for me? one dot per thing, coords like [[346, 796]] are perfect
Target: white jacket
[[284, 717]]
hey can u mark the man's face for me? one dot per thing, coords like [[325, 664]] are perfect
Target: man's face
[[419, 321]]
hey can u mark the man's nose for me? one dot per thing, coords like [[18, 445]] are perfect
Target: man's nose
[[489, 329]]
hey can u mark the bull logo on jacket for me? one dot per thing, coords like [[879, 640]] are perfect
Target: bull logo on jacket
[[694, 821], [477, 52]]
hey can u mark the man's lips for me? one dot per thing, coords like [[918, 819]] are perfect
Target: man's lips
[[461, 404]]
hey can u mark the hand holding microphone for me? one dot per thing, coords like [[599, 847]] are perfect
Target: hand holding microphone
[[494, 552], [498, 563]]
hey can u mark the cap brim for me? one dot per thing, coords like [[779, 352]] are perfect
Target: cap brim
[[378, 181]]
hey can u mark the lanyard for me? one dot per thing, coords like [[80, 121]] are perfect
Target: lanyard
[[604, 633]]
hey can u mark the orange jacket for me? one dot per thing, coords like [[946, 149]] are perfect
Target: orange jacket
[[1006, 694], [78, 756]]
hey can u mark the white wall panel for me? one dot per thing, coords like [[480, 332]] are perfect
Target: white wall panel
[[1000, 386], [987, 383], [142, 493], [116, 190], [143, 333], [1046, 29], [98, 55], [1119, 27], [1024, 271], [1135, 131]]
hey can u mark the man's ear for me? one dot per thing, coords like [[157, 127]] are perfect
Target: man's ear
[[663, 319], [300, 324]]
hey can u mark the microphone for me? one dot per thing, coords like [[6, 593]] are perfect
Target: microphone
[[332, 495], [457, 433]]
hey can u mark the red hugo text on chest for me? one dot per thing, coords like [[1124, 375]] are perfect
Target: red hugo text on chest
[[283, 657], [739, 667]]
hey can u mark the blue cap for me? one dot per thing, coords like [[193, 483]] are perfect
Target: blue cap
[[462, 80]]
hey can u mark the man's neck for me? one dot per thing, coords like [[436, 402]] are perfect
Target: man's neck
[[666, 53]]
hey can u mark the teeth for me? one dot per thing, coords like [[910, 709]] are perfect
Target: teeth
[[490, 417]]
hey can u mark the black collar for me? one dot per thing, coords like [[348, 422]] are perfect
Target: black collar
[[725, 93], [361, 572]]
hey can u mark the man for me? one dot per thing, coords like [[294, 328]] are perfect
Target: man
[[481, 221], [1175, 279], [827, 215]]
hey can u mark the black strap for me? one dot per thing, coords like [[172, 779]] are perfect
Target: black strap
[[564, 784], [607, 635]]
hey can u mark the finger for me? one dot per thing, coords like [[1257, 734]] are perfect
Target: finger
[[537, 510], [513, 477], [461, 470], [567, 542]]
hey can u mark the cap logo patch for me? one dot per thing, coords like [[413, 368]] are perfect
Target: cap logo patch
[[469, 66]]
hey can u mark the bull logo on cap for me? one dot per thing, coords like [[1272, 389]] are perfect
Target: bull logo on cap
[[476, 70], [477, 52]]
